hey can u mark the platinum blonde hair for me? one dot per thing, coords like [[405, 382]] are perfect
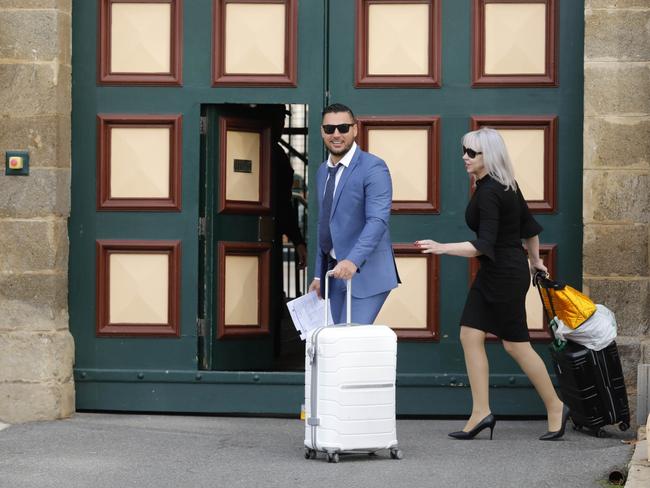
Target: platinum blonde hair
[[495, 155]]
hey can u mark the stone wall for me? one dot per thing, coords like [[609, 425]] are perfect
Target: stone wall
[[617, 171], [36, 348]]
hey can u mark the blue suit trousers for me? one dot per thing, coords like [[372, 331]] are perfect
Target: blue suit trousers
[[364, 310]]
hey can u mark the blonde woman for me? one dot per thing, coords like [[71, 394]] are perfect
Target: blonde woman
[[496, 302]]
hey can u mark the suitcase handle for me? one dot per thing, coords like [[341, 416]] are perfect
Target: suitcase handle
[[348, 300], [542, 281]]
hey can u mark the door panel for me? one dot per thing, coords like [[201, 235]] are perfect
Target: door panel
[[244, 166], [429, 370], [238, 287]]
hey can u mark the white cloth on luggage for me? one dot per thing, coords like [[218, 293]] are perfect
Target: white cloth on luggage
[[596, 333]]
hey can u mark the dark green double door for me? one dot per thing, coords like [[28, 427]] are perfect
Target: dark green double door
[[204, 370]]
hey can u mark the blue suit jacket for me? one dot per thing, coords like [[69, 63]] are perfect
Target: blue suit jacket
[[359, 223]]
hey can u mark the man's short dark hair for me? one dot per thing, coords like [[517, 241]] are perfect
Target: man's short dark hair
[[338, 108]]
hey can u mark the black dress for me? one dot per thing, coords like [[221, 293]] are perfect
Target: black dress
[[496, 301]]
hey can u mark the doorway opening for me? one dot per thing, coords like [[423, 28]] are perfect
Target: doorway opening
[[290, 349], [295, 143], [252, 235]]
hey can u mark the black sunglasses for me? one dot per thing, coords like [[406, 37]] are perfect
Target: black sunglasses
[[470, 152], [342, 128]]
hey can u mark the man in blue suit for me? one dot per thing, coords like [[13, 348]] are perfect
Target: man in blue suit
[[354, 200]]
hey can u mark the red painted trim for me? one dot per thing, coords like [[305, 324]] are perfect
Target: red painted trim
[[104, 74], [432, 330], [107, 122], [263, 205], [362, 79], [104, 248], [432, 124], [263, 252], [547, 123], [219, 75], [482, 80]]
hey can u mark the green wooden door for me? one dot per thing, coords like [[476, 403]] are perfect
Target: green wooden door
[[167, 352], [179, 365], [379, 65]]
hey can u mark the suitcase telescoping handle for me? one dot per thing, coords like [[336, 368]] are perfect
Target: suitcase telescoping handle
[[542, 281], [348, 299]]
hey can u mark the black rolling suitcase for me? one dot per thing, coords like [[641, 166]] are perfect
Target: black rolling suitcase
[[591, 382], [592, 385]]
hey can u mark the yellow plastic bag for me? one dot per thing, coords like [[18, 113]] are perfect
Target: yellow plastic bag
[[565, 302]]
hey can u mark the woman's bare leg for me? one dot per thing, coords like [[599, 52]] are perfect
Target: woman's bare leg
[[530, 362], [478, 369]]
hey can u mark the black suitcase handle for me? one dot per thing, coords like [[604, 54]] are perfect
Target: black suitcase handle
[[542, 281]]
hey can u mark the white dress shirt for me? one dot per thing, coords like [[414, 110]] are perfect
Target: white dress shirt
[[345, 161]]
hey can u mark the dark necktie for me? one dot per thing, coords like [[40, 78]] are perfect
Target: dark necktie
[[325, 237]]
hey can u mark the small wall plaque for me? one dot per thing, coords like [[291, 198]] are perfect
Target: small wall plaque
[[17, 163], [243, 166]]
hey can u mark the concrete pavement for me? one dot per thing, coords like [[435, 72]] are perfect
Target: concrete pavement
[[119, 450]]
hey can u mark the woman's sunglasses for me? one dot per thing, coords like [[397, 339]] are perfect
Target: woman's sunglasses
[[342, 128], [470, 152]]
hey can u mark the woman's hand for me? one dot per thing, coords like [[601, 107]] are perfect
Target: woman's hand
[[537, 265], [430, 247]]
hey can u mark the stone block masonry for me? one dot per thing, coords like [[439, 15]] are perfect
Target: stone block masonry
[[616, 195], [36, 348]]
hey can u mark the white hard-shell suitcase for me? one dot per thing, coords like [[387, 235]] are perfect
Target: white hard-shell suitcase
[[350, 389]]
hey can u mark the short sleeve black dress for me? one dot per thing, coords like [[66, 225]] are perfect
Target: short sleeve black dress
[[496, 301]]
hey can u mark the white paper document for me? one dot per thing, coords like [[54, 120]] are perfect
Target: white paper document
[[308, 313]]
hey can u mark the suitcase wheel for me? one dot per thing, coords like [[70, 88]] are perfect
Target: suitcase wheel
[[623, 426], [396, 454], [310, 453], [333, 457]]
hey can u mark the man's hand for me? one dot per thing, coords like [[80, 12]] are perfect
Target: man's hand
[[315, 286], [344, 270], [301, 253]]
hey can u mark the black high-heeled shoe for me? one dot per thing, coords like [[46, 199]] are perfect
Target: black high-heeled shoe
[[553, 436], [488, 421]]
